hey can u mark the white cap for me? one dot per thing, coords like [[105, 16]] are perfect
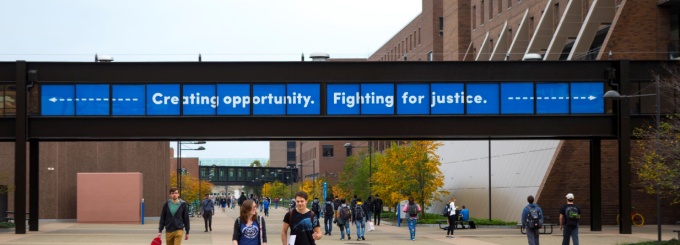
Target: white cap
[[570, 196]]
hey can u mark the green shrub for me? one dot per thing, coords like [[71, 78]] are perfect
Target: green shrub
[[6, 225]]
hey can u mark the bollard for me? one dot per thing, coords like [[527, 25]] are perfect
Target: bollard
[[142, 211]]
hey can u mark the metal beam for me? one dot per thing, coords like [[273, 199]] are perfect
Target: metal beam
[[20, 150]]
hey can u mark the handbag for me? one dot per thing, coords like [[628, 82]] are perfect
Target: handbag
[[156, 241], [370, 226]]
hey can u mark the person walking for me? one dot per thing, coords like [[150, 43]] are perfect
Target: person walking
[[316, 208], [303, 224], [377, 209], [411, 211], [451, 217], [207, 211], [223, 203], [569, 217], [532, 220], [249, 228], [328, 211], [174, 219], [344, 218], [265, 206], [359, 218], [369, 206]]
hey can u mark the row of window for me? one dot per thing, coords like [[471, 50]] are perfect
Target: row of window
[[398, 52]]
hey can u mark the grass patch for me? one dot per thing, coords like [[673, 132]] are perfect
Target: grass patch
[[670, 242], [4, 225], [432, 219]]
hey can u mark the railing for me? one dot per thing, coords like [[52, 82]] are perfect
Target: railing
[[590, 55]]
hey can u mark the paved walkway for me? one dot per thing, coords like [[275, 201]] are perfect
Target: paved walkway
[[59, 233]]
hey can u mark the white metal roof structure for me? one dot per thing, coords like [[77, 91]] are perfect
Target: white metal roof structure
[[518, 169]]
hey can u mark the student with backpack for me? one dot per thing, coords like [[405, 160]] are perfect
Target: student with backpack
[[532, 220], [344, 218], [304, 227], [450, 211], [328, 211], [359, 218], [316, 208], [411, 211], [569, 217]]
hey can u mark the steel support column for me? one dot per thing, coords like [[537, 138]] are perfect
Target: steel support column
[[34, 183], [595, 185], [20, 150], [624, 149]]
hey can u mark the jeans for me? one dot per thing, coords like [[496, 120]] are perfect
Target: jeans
[[328, 224], [276, 205], [174, 238], [343, 228], [266, 212], [532, 236], [207, 219], [368, 217], [412, 227], [361, 227], [570, 232]]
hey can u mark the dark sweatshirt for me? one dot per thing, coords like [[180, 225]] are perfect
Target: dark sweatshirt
[[177, 222]]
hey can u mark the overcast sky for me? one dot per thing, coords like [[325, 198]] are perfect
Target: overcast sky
[[224, 30]]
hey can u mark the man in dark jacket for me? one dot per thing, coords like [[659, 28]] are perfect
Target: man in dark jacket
[[377, 208], [174, 218]]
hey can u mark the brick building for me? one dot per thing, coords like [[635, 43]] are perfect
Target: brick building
[[499, 30]]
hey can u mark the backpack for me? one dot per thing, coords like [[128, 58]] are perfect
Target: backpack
[[412, 210], [315, 207], [344, 213], [572, 215], [359, 212], [446, 211], [533, 219], [329, 210]]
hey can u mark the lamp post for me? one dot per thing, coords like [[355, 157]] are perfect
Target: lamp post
[[613, 94], [370, 162], [179, 159]]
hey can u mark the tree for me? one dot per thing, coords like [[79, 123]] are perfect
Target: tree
[[256, 163], [314, 188], [5, 189], [410, 170], [190, 187], [658, 164]]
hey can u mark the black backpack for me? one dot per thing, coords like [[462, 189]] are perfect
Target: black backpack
[[359, 212], [412, 210], [533, 219], [315, 207], [329, 210], [344, 213], [446, 211], [571, 212]]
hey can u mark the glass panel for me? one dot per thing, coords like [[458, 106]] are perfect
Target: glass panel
[[9, 97]]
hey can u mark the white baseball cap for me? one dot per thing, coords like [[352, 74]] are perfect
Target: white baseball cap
[[570, 196]]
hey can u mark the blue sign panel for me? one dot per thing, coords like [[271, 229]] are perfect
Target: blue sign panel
[[57, 100], [269, 99], [234, 99], [517, 98], [587, 97], [303, 99], [92, 99], [128, 100], [482, 99], [377, 99], [413, 99], [343, 99], [199, 100], [447, 98], [162, 99], [552, 98]]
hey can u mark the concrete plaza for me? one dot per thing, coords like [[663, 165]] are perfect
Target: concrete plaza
[[69, 232]]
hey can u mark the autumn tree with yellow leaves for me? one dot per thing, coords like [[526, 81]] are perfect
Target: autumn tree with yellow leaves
[[410, 169], [658, 165], [190, 187]]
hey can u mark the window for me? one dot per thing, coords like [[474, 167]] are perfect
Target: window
[[500, 7], [556, 15], [490, 9], [474, 17], [441, 26], [509, 3], [290, 156], [349, 151], [327, 150], [414, 41], [430, 56], [290, 144], [481, 13], [418, 35]]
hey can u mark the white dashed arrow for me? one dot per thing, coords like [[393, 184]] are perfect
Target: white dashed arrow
[[54, 99]]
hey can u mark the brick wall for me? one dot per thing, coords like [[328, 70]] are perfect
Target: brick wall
[[570, 173]]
